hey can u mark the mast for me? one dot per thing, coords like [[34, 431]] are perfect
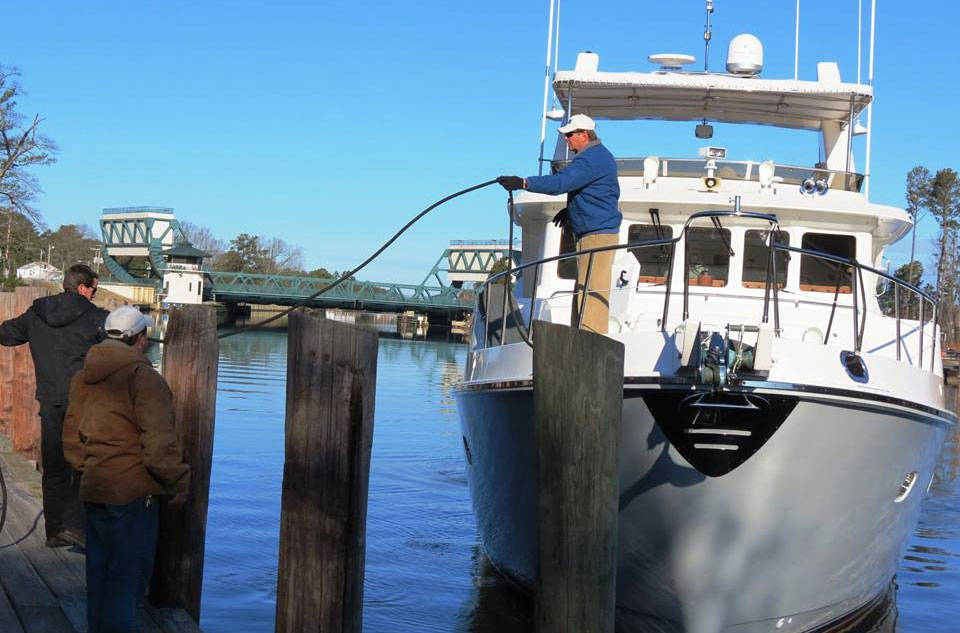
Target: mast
[[546, 91], [873, 36]]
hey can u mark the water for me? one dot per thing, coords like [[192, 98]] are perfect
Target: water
[[424, 571]]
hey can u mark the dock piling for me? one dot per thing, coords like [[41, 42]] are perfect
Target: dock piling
[[578, 397], [331, 382], [190, 358]]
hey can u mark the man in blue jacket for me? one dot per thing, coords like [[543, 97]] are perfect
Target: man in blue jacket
[[590, 182]]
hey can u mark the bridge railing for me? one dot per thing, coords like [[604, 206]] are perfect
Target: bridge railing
[[280, 287]]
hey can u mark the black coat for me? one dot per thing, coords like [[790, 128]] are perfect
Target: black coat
[[60, 330]]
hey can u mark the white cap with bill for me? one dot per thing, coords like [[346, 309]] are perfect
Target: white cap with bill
[[578, 122], [126, 321]]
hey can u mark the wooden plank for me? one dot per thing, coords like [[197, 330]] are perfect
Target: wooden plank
[[146, 624], [331, 384], [66, 565], [8, 303], [44, 620], [60, 570], [578, 401], [173, 620], [9, 622], [190, 366]]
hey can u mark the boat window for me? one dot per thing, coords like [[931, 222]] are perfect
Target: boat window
[[819, 275], [756, 253], [654, 260], [708, 253], [567, 268]]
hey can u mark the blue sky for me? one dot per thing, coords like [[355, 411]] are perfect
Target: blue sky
[[330, 124]]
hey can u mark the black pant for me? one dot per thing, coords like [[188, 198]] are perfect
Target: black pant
[[61, 485]]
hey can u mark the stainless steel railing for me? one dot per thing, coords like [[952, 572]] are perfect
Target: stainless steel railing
[[771, 297]]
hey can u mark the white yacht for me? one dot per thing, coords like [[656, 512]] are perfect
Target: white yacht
[[783, 403]]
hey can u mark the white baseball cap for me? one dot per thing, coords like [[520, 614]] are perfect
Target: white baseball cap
[[578, 122], [126, 321]]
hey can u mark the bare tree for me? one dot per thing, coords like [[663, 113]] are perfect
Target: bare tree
[[203, 239], [282, 258], [22, 146]]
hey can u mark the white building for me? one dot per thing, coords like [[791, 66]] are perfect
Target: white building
[[183, 276], [39, 271]]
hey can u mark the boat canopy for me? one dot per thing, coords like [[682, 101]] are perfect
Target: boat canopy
[[725, 98]]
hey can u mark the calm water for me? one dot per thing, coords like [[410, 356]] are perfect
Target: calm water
[[424, 571]]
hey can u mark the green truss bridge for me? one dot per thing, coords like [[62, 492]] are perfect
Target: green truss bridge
[[135, 238]]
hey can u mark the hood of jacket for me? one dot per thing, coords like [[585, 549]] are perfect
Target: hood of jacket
[[108, 357], [62, 309]]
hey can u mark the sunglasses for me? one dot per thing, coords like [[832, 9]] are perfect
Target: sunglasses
[[569, 134], [93, 290]]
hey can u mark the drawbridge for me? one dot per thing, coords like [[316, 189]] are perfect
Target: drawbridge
[[135, 238]]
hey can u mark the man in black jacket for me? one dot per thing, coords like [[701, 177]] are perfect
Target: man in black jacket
[[60, 329]]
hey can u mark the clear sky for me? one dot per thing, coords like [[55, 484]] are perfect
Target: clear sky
[[329, 124]]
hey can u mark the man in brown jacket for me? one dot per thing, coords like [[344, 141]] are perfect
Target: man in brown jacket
[[119, 433]]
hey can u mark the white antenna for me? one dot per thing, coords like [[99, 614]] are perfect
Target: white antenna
[[873, 36], [796, 44], [859, 37], [556, 41], [706, 36], [546, 91]]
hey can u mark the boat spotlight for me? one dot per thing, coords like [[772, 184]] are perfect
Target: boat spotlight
[[822, 186], [808, 186], [651, 168], [765, 173]]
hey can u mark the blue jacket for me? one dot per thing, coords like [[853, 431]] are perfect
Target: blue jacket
[[590, 182]]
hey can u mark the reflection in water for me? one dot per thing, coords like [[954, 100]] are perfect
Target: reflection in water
[[495, 604]]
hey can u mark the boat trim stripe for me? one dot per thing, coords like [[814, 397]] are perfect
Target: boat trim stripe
[[803, 392]]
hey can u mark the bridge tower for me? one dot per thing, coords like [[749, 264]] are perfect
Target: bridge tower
[[130, 232], [470, 260]]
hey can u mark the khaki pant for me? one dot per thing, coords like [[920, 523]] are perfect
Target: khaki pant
[[597, 310]]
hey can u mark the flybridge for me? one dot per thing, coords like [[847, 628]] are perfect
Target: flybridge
[[714, 97]]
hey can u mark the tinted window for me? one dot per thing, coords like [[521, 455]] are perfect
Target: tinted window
[[708, 256], [567, 268], [819, 275], [654, 260], [756, 255]]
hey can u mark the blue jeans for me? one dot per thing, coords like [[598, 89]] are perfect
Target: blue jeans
[[121, 544]]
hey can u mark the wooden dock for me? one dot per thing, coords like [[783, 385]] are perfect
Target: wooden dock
[[44, 589]]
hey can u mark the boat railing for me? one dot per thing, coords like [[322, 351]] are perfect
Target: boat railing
[[905, 295], [735, 170]]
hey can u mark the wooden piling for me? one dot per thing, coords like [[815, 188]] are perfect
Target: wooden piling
[[578, 398], [25, 421], [8, 304], [331, 381], [190, 356]]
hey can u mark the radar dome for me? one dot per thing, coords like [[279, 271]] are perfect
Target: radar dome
[[745, 55]]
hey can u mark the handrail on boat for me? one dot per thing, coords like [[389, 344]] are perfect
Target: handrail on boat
[[771, 289]]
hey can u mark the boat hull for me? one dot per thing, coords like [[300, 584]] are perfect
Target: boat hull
[[805, 530]]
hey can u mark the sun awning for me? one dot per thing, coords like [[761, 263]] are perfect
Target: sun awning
[[688, 97]]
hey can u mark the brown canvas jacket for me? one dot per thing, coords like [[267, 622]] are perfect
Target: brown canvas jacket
[[119, 429]]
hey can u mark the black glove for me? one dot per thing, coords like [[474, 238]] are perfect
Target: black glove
[[511, 183], [561, 218]]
